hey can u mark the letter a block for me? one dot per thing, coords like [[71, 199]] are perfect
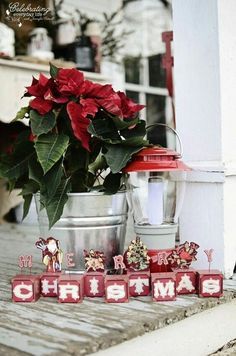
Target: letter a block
[[139, 283], [25, 288], [116, 288], [210, 283], [185, 281], [49, 284], [163, 286], [94, 284], [70, 288]]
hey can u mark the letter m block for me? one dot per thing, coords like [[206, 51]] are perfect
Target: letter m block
[[210, 283], [163, 286], [25, 288]]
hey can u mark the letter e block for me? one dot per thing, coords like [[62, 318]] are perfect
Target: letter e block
[[116, 288], [210, 283], [163, 286], [70, 288], [49, 284], [25, 288], [94, 284], [185, 281], [139, 283]]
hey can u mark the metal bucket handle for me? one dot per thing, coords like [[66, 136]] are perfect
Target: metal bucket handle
[[174, 131]]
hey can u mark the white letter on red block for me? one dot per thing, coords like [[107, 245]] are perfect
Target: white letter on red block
[[49, 287], [211, 286], [116, 292], [17, 291], [69, 291], [185, 283], [139, 283], [163, 290]]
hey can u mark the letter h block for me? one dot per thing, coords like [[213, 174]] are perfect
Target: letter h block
[[49, 284], [94, 284], [70, 288], [139, 283], [116, 288], [210, 283], [163, 286], [25, 288], [186, 281]]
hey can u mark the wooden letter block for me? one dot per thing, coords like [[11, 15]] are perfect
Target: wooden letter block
[[185, 281], [70, 288], [94, 284], [49, 284], [25, 288], [163, 286], [210, 283], [116, 288], [139, 283]]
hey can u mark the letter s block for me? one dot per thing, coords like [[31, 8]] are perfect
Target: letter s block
[[116, 288], [70, 288], [94, 284], [163, 286], [49, 284], [185, 281], [25, 288], [210, 283], [139, 283]]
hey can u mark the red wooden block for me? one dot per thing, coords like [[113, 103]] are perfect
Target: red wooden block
[[158, 260], [116, 288], [139, 283], [186, 281], [49, 284], [94, 284], [163, 286], [210, 283], [25, 288], [70, 288]]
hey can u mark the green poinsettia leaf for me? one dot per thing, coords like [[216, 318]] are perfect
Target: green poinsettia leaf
[[50, 148], [112, 183], [27, 202], [117, 156], [56, 205], [52, 180], [42, 124], [135, 141], [105, 130], [31, 187], [138, 131], [35, 169], [16, 165], [21, 113], [53, 70], [99, 163], [124, 124]]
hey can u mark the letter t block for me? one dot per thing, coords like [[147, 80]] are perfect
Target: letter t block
[[210, 283], [163, 286]]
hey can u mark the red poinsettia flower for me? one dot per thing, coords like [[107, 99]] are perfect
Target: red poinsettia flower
[[128, 107], [70, 82]]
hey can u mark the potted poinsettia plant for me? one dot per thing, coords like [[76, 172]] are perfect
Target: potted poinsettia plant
[[77, 130]]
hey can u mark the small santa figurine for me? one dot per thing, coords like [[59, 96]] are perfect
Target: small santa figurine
[[51, 253]]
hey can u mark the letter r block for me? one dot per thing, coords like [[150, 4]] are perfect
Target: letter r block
[[94, 284], [70, 288], [163, 286], [210, 283], [25, 288], [139, 283], [116, 288], [49, 284]]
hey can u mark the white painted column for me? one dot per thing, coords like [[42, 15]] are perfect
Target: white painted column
[[205, 90]]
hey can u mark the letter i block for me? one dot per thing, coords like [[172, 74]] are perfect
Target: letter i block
[[94, 284], [186, 281], [25, 288], [70, 288], [49, 284], [210, 283], [163, 286], [116, 288], [139, 283]]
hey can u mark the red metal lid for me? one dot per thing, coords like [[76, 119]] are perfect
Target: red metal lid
[[154, 159]]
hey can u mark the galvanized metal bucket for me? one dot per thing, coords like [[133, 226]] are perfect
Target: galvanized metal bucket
[[90, 221]]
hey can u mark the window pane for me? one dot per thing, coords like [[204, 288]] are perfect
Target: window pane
[[157, 75], [132, 70], [156, 105], [133, 95]]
